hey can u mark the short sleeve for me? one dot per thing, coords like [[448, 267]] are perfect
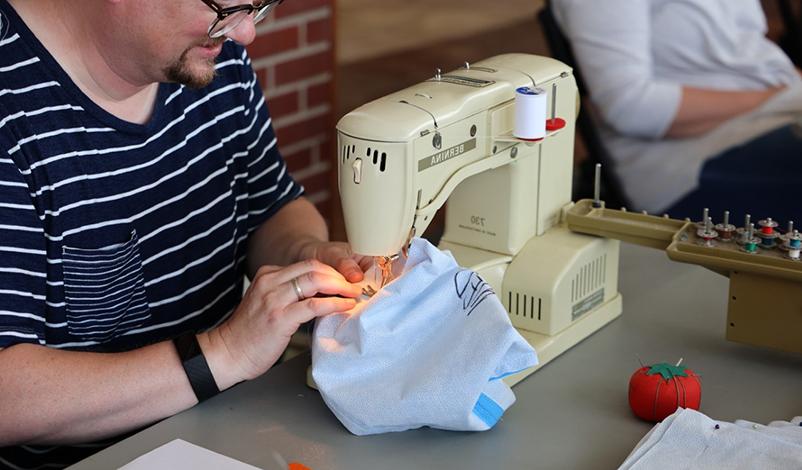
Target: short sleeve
[[23, 261], [270, 185]]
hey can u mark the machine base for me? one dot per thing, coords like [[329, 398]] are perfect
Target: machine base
[[549, 347]]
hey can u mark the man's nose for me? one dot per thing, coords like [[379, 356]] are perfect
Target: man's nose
[[244, 33]]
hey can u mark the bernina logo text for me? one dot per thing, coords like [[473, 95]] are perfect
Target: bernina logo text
[[446, 155]]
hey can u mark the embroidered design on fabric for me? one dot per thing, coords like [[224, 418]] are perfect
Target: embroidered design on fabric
[[471, 289]]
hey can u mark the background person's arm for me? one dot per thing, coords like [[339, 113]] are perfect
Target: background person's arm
[[611, 40], [702, 110]]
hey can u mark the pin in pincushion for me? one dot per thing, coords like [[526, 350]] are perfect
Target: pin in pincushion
[[657, 391]]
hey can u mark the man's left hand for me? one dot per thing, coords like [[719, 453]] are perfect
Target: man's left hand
[[339, 256]]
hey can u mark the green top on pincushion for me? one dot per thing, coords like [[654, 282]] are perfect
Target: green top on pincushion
[[667, 370]]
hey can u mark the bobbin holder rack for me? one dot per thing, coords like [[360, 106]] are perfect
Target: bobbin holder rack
[[765, 288]]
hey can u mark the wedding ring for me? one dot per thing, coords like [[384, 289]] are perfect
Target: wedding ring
[[298, 291]]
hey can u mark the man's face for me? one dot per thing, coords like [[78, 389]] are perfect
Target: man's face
[[173, 36], [195, 66]]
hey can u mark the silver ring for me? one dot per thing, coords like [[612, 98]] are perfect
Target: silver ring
[[297, 287]]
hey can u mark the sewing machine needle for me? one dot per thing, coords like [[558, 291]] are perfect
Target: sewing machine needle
[[386, 266]]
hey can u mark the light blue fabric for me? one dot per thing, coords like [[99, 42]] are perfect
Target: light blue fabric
[[421, 352]]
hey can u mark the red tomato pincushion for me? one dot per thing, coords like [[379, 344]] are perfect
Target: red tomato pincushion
[[657, 391]]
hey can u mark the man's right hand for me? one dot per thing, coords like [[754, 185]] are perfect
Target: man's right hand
[[247, 344]]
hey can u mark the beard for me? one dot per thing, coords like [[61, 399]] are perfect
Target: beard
[[181, 71]]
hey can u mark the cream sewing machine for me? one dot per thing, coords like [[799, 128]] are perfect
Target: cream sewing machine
[[450, 138]]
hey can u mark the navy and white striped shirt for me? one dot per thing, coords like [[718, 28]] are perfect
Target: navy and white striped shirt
[[115, 235]]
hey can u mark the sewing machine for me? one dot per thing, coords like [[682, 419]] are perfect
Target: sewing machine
[[450, 138]]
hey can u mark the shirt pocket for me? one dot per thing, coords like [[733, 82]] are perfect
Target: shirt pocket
[[104, 290]]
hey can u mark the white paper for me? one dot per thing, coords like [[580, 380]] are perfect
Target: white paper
[[179, 454]]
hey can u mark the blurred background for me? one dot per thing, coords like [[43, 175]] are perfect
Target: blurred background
[[319, 59]]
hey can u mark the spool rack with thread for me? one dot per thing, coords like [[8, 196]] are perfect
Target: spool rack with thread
[[763, 265]]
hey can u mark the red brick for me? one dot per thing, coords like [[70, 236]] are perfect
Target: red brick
[[283, 105], [261, 75], [316, 183], [320, 94], [327, 151], [303, 130], [274, 42], [304, 67], [298, 160], [292, 7], [319, 31]]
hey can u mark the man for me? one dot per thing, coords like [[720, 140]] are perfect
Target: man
[[139, 182]]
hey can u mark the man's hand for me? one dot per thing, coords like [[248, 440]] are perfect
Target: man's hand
[[246, 345], [339, 256]]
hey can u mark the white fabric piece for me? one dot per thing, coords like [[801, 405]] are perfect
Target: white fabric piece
[[429, 349], [689, 440], [637, 56]]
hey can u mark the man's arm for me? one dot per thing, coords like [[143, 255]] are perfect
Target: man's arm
[[52, 396], [279, 241], [63, 397], [58, 397], [298, 232]]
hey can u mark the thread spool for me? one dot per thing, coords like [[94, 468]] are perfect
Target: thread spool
[[793, 244], [750, 240], [725, 229], [530, 113], [767, 234], [706, 234], [743, 230]]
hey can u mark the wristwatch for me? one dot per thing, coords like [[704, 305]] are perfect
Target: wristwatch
[[195, 365]]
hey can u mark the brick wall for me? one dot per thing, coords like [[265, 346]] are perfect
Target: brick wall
[[293, 56]]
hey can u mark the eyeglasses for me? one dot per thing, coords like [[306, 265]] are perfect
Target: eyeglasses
[[229, 18]]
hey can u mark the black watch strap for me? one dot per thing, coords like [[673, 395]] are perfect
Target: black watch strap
[[195, 365]]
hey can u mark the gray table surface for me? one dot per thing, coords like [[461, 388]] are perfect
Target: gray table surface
[[573, 413]]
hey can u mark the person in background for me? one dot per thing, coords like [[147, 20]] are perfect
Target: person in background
[[698, 108], [140, 182]]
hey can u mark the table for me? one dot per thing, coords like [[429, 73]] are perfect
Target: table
[[573, 413]]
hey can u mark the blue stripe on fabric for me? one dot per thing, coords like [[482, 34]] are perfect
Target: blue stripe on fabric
[[507, 374], [487, 410]]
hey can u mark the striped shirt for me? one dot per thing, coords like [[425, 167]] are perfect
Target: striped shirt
[[115, 235]]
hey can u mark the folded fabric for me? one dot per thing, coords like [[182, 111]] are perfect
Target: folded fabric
[[690, 440], [429, 349]]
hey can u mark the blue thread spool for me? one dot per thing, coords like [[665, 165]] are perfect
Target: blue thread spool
[[793, 244]]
